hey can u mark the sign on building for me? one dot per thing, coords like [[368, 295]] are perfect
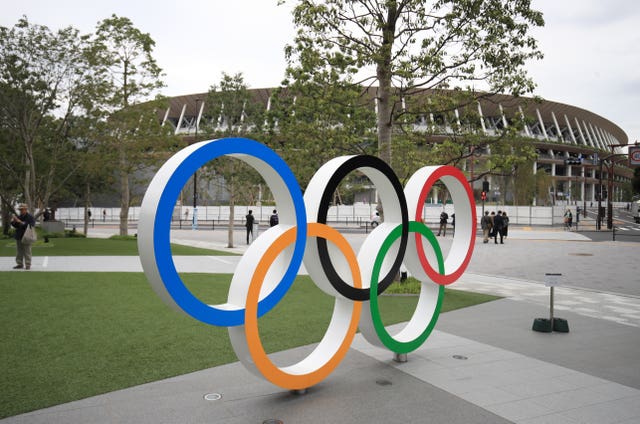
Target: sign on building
[[634, 155]]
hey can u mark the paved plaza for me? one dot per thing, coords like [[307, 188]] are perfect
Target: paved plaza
[[482, 364]]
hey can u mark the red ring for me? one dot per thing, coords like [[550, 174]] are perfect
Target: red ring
[[445, 171]]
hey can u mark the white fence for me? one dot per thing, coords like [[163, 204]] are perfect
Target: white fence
[[358, 214]]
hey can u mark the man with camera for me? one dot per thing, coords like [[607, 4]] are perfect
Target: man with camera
[[20, 223]]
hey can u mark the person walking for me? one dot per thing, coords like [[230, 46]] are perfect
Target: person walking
[[20, 223], [273, 219], [498, 228], [505, 224], [443, 223], [249, 224], [485, 224]]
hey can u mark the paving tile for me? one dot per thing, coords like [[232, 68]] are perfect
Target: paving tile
[[519, 410], [613, 412], [549, 419]]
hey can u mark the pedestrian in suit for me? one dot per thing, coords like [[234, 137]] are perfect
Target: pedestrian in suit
[[249, 224], [498, 227]]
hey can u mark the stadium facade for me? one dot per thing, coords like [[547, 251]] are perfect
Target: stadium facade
[[570, 142]]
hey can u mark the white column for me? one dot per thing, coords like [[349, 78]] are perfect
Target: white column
[[544, 129], [504, 119], [584, 140], [199, 115], [166, 115], [573, 137], [596, 138], [591, 140], [555, 122], [184, 107], [484, 127], [524, 122]]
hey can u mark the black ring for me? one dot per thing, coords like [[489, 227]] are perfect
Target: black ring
[[351, 164]]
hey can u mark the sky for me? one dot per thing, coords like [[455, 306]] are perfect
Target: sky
[[591, 47]]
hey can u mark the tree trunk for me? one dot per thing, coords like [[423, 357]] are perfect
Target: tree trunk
[[87, 194], [232, 204], [30, 177], [384, 96], [384, 120], [6, 220], [124, 196], [383, 73]]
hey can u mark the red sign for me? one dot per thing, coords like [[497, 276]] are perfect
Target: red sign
[[634, 155]]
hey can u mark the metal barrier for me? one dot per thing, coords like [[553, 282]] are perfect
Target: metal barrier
[[616, 231]]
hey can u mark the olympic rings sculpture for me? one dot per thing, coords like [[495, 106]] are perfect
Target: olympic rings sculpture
[[270, 264]]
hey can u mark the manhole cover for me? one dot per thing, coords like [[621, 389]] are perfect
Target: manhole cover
[[272, 421], [212, 396], [580, 254], [461, 357], [382, 382]]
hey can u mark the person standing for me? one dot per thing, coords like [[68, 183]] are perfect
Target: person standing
[[273, 219], [249, 224], [104, 215], [485, 224], [443, 223], [453, 223], [498, 227], [20, 223]]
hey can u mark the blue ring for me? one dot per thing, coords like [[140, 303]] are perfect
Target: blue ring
[[162, 224]]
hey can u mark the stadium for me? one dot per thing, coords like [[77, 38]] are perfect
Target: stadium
[[571, 143]]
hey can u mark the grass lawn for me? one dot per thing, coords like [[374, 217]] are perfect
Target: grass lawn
[[67, 336], [80, 246]]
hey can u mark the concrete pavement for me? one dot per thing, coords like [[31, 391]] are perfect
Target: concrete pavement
[[483, 364]]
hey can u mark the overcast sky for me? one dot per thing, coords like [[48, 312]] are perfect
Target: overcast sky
[[591, 47]]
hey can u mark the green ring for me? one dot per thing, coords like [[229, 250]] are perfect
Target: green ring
[[386, 339]]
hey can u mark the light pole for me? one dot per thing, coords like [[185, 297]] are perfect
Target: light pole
[[610, 170], [194, 224]]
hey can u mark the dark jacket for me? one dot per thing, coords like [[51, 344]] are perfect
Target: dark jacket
[[26, 219], [498, 223], [250, 219]]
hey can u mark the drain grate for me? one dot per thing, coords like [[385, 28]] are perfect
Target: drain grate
[[272, 421], [383, 382], [580, 254], [460, 357], [212, 396]]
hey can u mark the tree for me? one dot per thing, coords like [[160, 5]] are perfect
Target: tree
[[132, 135], [314, 120], [230, 111], [46, 78], [405, 49]]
